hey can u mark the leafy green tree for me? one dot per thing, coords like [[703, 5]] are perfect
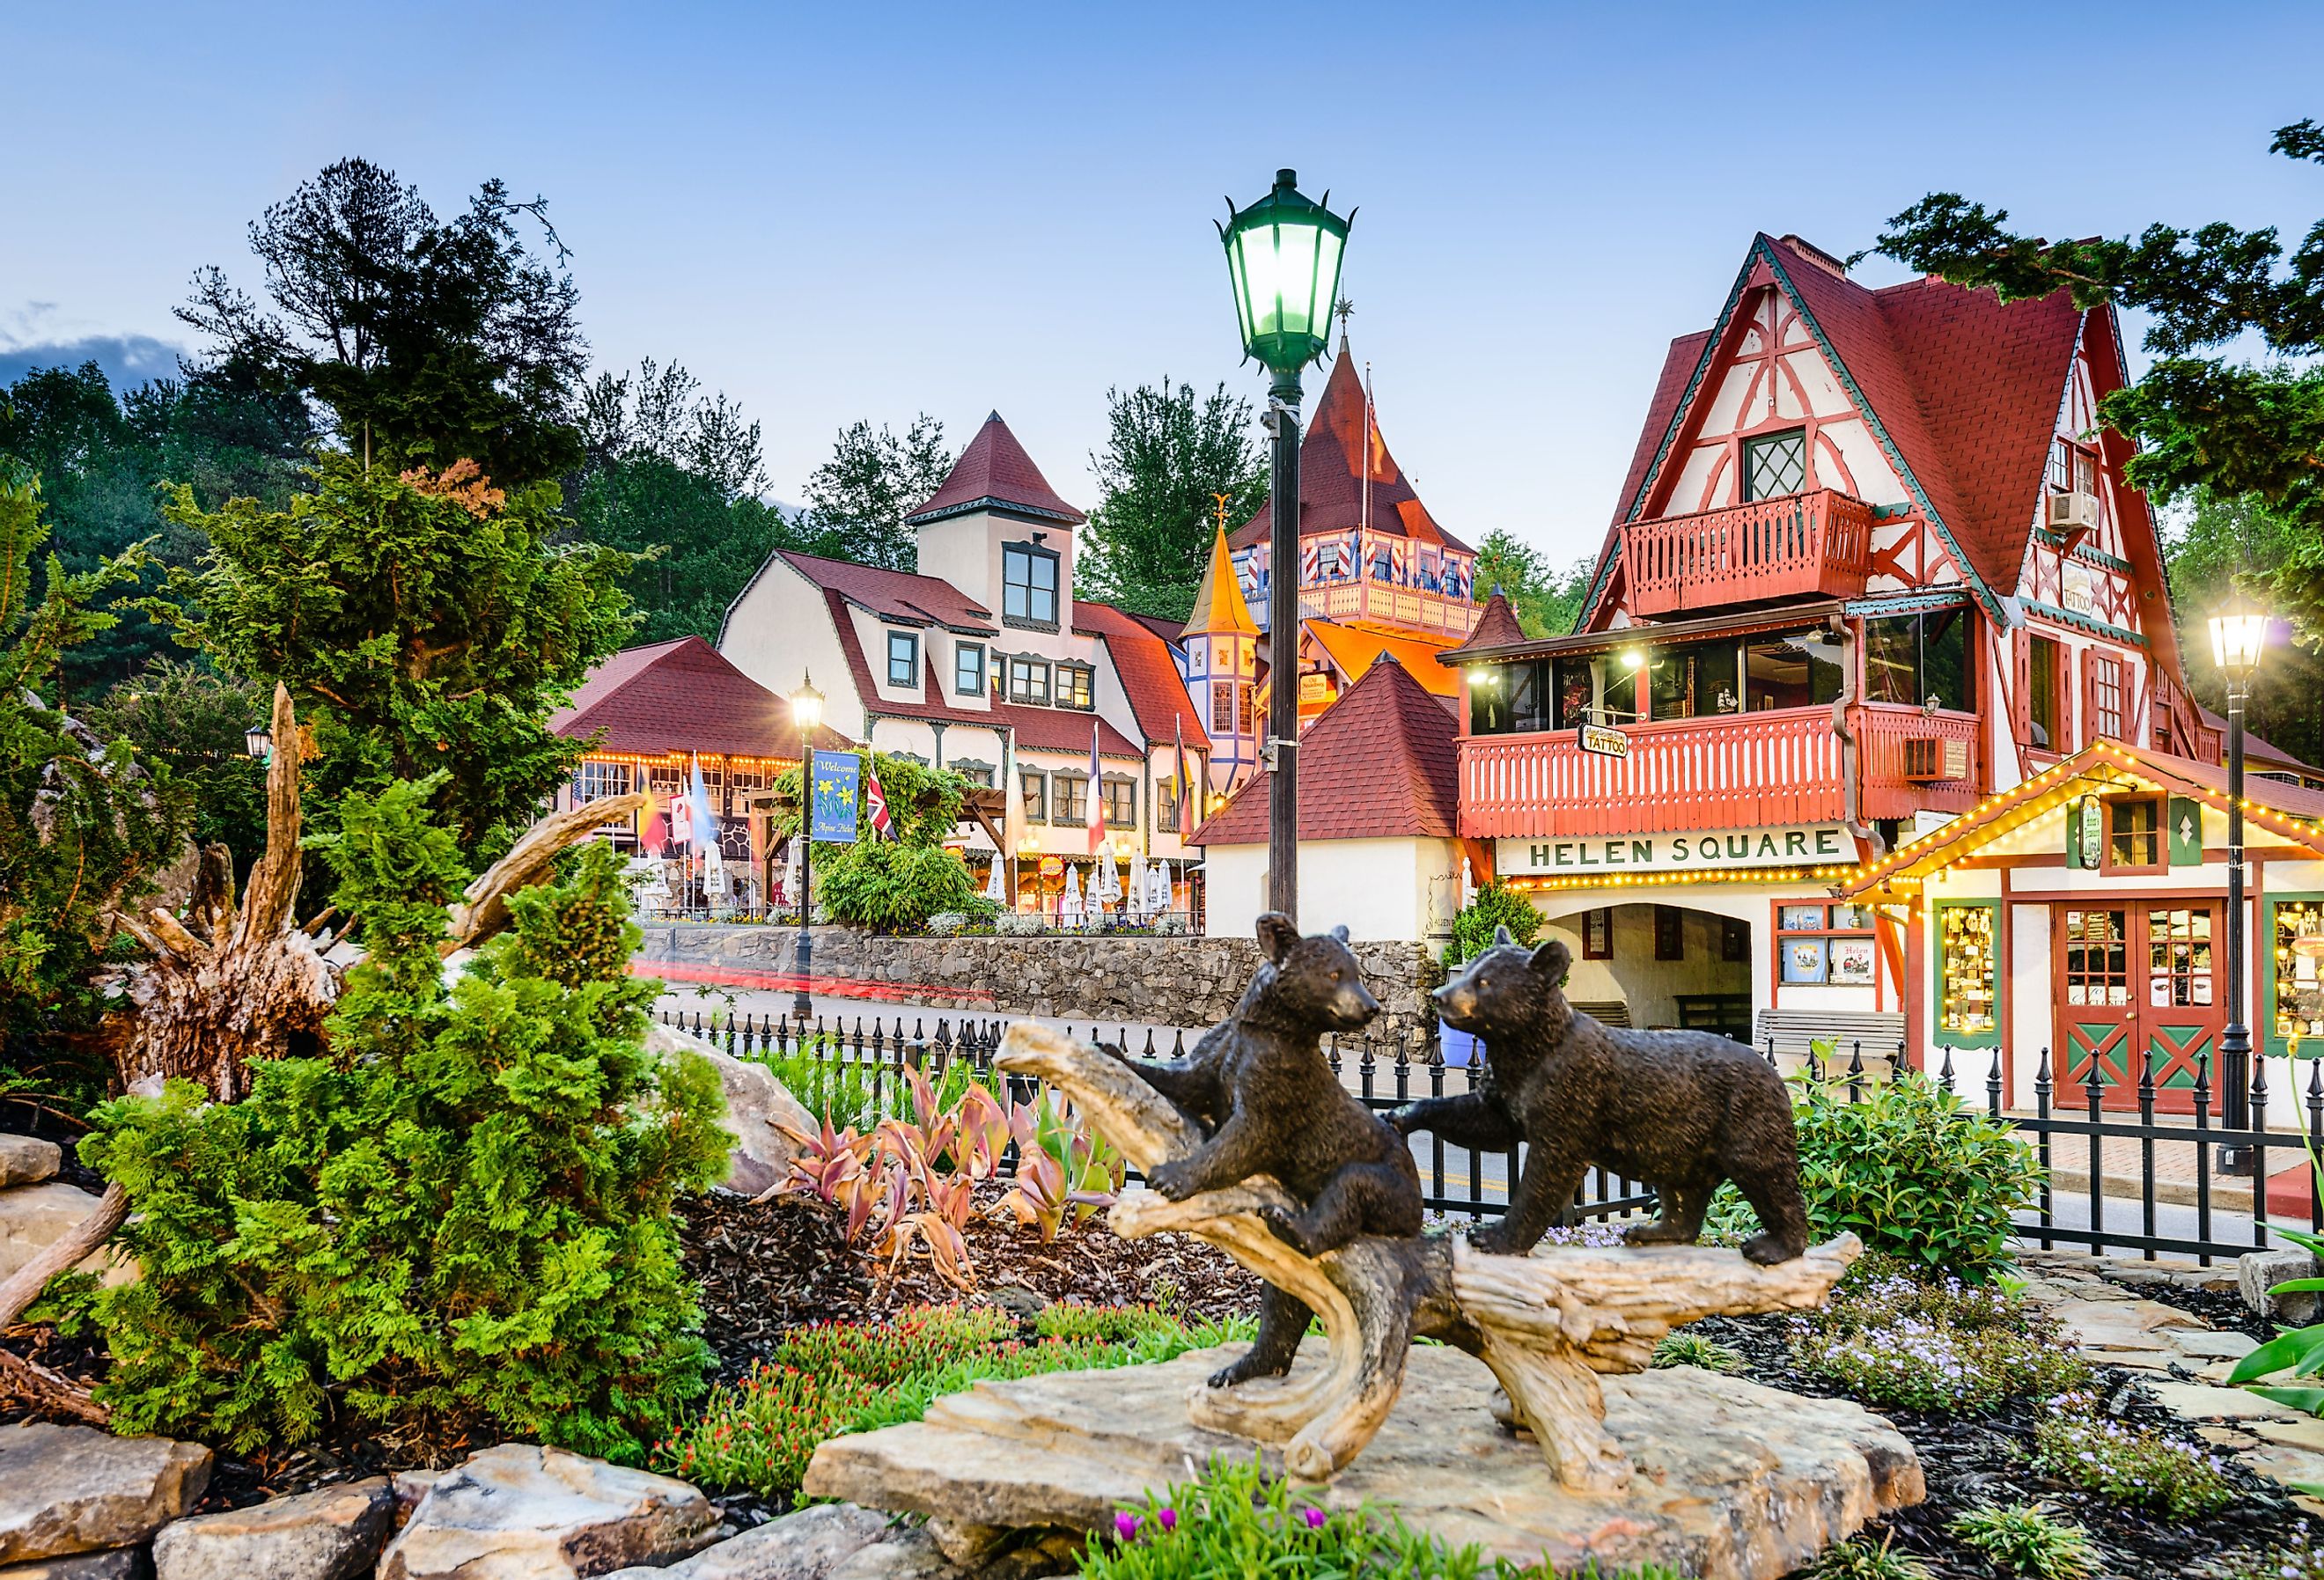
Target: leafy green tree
[[1168, 454], [101, 462], [426, 341], [674, 478], [857, 500], [1545, 601], [421, 622], [2213, 544], [2201, 417], [459, 1217], [191, 720], [83, 826], [893, 886]]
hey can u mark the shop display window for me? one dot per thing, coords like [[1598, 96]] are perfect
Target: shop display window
[[1968, 973], [1826, 945], [2295, 935]]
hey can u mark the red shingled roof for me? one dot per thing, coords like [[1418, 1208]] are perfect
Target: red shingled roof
[[1157, 694], [682, 696], [1496, 627], [1379, 763], [995, 471], [1966, 387], [899, 596], [1332, 473]]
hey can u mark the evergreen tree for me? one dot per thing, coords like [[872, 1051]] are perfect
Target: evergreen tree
[[190, 721], [456, 1215], [1168, 457], [857, 500], [1545, 601], [2236, 428], [422, 623], [2213, 545]]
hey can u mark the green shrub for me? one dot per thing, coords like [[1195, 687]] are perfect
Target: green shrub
[[1910, 1169], [839, 1089], [1944, 1347], [1691, 1349], [461, 1214], [1496, 905], [2024, 1540], [2132, 1463], [1861, 1559], [758, 1434], [891, 885]]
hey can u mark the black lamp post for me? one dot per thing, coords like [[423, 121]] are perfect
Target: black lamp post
[[806, 712], [258, 741], [1283, 255], [2239, 634]]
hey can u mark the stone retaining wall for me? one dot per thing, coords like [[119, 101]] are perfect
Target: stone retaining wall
[[1168, 980]]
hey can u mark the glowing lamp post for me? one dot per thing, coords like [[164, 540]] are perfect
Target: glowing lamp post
[[806, 712], [1283, 256], [2238, 636], [258, 741]]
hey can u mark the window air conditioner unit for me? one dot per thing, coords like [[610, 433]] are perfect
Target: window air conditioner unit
[[2075, 512], [1930, 760]]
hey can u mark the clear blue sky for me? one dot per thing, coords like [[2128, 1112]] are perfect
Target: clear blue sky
[[866, 210]]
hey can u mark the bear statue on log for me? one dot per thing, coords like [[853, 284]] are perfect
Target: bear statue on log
[[1682, 1110]]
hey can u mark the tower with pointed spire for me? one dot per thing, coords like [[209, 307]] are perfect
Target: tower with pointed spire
[[1221, 647]]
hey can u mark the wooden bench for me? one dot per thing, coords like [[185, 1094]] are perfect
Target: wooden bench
[[1878, 1032], [1727, 1014], [1614, 1012]]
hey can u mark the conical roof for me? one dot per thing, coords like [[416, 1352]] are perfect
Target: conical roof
[[995, 473], [1220, 609], [1496, 627]]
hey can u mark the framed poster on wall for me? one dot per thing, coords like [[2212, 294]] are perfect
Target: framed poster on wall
[[1804, 959], [1851, 963]]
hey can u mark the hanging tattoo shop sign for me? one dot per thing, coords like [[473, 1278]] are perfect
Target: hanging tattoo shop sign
[[1705, 850]]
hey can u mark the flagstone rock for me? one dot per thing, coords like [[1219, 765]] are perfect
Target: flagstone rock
[[33, 1217], [27, 1160], [1735, 1481], [808, 1545], [2258, 1271], [757, 1106], [75, 1490], [335, 1533], [520, 1512], [2195, 1403], [114, 1564]]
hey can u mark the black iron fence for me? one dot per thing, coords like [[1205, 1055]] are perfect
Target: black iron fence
[[2227, 1164]]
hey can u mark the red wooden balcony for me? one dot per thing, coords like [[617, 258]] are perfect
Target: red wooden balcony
[[1801, 545], [1738, 771]]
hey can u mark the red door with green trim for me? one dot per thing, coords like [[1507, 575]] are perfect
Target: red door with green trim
[[2134, 979]]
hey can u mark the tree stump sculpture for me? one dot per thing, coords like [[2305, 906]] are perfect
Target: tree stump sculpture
[[1546, 1324]]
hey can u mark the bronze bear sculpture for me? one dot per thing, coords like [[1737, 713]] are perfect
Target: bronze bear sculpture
[[1680, 1110], [1258, 1086]]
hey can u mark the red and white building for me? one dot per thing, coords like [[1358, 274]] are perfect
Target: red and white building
[[1872, 573]]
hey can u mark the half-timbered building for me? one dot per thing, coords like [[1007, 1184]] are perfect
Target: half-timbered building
[[1873, 564]]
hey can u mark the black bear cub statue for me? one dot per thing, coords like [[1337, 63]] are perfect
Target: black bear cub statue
[[1258, 1086], [1681, 1110]]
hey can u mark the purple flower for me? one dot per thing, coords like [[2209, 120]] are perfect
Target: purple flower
[[1314, 1518], [1125, 1526], [1167, 1519]]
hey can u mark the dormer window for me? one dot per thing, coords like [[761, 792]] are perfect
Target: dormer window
[[903, 657], [968, 669], [1076, 685], [1775, 464], [1028, 585]]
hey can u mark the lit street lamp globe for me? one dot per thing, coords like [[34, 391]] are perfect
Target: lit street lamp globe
[[1283, 255], [807, 708], [2238, 635]]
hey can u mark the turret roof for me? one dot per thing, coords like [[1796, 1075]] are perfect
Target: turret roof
[[994, 472]]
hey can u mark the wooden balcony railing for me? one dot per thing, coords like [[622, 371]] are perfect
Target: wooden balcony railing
[[1740, 771], [1802, 545]]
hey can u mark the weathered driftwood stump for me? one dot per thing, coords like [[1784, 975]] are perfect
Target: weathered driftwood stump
[[1546, 1324]]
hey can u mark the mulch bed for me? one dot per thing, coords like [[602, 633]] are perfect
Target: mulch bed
[[1971, 1460], [767, 1267]]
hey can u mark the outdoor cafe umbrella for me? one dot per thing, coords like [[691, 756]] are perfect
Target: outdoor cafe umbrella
[[996, 888], [1070, 907], [1106, 883], [1139, 893]]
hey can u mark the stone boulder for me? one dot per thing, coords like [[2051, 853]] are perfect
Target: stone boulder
[[27, 1160], [112, 1564], [76, 1490], [808, 1545], [2258, 1271], [33, 1217], [334, 1533], [524, 1512], [757, 1104]]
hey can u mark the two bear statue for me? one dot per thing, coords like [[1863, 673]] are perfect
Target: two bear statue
[[1682, 1111]]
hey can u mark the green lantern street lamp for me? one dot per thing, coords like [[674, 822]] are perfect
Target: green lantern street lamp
[[1283, 256], [2239, 640]]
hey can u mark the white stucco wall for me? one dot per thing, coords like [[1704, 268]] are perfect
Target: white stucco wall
[[1378, 889]]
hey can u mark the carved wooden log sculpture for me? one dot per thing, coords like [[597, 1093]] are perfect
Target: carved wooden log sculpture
[[231, 982], [1546, 1324]]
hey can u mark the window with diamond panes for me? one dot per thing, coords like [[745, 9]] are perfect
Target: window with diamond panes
[[1776, 465]]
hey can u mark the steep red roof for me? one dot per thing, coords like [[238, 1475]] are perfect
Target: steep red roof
[[1379, 763], [1965, 387], [995, 471], [1332, 473], [899, 596], [1157, 694], [682, 696], [1496, 627]]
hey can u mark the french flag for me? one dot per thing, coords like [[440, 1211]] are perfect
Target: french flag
[[1096, 798]]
